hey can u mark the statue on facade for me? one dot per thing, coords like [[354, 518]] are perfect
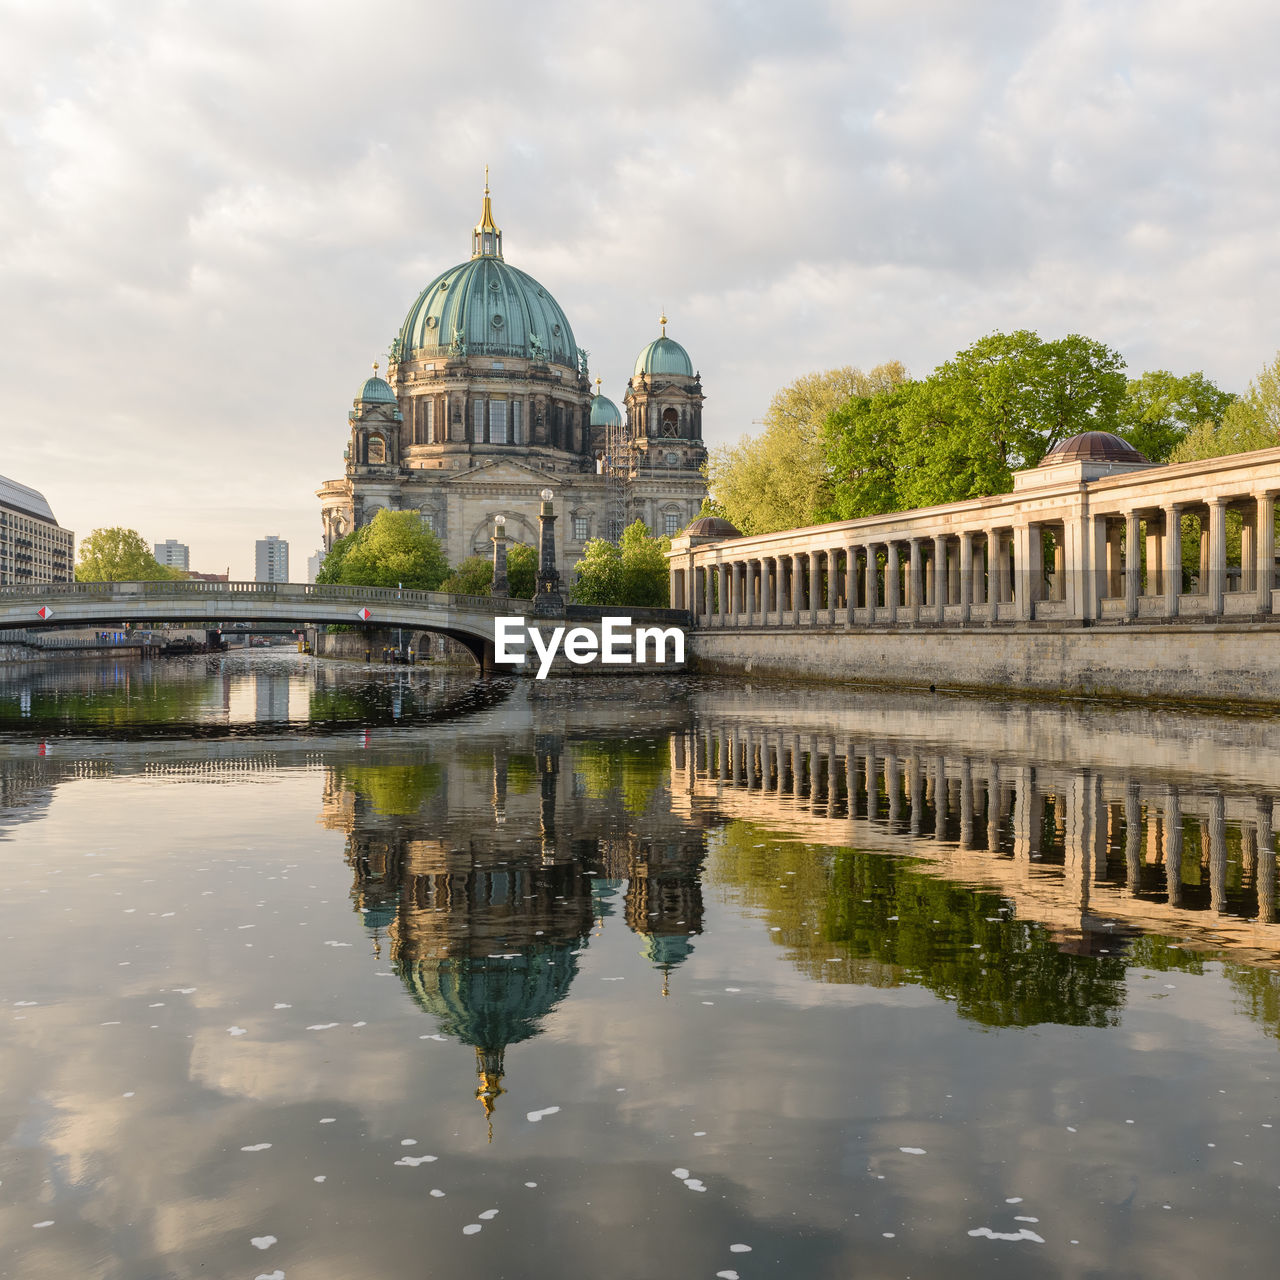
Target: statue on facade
[[458, 347], [537, 350], [583, 356]]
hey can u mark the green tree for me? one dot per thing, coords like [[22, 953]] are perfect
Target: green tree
[[395, 549], [778, 480], [633, 572], [1248, 423], [120, 555], [474, 576], [860, 445], [1160, 409]]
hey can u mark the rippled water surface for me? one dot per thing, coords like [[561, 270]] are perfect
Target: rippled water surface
[[315, 970]]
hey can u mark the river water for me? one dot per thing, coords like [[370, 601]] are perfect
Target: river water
[[321, 971]]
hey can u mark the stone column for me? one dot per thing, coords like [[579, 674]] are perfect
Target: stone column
[[993, 575], [707, 571], [953, 577], [1173, 847], [1132, 564], [1115, 559], [815, 584], [1265, 876], [724, 602], [1249, 549], [869, 583], [915, 581], [939, 578], [1172, 558], [965, 570], [850, 583], [748, 592], [833, 583], [1265, 542], [1029, 565], [892, 582], [1217, 555], [797, 588]]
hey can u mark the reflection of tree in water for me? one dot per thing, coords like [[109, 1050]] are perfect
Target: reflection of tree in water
[[865, 918]]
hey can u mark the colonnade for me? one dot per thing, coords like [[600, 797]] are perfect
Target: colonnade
[[1085, 820], [1193, 541]]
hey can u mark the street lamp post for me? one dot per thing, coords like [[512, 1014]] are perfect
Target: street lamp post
[[547, 600]]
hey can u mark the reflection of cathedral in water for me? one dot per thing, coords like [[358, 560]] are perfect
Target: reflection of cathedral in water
[[487, 873]]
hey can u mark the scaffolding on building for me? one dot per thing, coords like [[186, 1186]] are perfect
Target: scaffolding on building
[[617, 470]]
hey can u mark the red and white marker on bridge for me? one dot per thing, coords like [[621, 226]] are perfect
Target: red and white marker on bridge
[[363, 614], [44, 613]]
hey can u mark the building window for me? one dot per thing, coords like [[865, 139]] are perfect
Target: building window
[[377, 450], [670, 524], [670, 424], [580, 528], [517, 426], [497, 422], [478, 419], [428, 421]]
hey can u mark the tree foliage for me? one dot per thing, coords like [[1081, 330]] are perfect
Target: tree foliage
[[996, 407], [631, 572], [120, 555], [396, 548], [1250, 422], [474, 576], [778, 479], [1160, 409]]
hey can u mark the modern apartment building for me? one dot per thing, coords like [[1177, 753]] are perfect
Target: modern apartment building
[[271, 562], [173, 554], [34, 548]]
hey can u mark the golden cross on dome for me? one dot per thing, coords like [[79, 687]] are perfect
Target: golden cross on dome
[[662, 320], [375, 368]]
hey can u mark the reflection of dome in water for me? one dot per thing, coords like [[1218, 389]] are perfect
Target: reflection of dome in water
[[490, 1002], [666, 950], [379, 917]]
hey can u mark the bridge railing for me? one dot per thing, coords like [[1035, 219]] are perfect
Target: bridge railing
[[124, 591]]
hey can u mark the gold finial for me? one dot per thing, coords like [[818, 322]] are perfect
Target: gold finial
[[375, 368], [486, 179], [598, 381], [662, 320]]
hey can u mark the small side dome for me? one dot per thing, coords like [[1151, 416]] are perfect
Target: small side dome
[[712, 527], [375, 390], [664, 355], [1094, 446], [604, 413]]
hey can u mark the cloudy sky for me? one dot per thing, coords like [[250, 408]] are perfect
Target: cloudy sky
[[214, 216]]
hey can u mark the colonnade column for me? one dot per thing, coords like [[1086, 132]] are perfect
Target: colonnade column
[[797, 587], [940, 578], [815, 583], [892, 581], [1217, 554], [1132, 564], [749, 591], [966, 575], [833, 583], [1029, 561], [726, 591], [850, 583], [871, 581], [1172, 558], [993, 575], [1264, 543], [915, 581]]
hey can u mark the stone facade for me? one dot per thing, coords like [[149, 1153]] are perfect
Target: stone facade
[[487, 401]]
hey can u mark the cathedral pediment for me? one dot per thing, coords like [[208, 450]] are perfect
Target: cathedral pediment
[[505, 471]]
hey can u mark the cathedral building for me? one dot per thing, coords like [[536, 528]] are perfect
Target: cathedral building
[[487, 401]]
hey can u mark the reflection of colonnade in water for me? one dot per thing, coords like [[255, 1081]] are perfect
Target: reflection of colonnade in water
[[1063, 841], [490, 885]]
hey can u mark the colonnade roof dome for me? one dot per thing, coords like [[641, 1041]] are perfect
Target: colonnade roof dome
[[713, 527], [487, 307], [1093, 446], [664, 355]]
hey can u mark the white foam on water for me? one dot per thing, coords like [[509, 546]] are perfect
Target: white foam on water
[[130, 1094], [1014, 1200], [487, 1215], [530, 1184], [726, 1275], [320, 1177], [679, 1173], [1023, 1234], [331, 943], [27, 1004], [184, 991], [258, 1146], [321, 1026], [699, 1133], [270, 1275], [262, 1242], [408, 1142], [913, 1151], [1020, 1218], [733, 990], [415, 1161], [471, 1228], [329, 1120], [739, 1248], [694, 1184], [435, 1191], [359, 1024], [236, 1031], [534, 1116], [278, 1005], [48, 1222]]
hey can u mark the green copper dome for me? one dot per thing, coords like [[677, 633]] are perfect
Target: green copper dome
[[664, 355], [486, 308], [604, 413], [376, 391]]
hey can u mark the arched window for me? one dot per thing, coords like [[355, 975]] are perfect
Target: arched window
[[670, 424], [377, 449]]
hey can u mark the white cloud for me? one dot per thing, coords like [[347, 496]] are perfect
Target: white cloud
[[212, 218]]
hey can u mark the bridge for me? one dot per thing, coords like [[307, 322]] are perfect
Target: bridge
[[467, 619]]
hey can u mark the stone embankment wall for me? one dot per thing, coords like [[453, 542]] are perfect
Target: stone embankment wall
[[1238, 663]]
